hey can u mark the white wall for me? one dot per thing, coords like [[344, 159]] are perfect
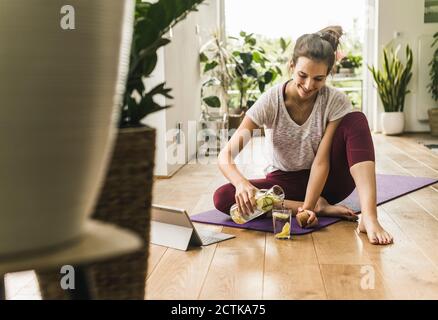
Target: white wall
[[179, 68], [370, 102], [405, 17], [156, 119]]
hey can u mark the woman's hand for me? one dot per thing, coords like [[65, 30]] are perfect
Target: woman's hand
[[245, 197], [311, 221]]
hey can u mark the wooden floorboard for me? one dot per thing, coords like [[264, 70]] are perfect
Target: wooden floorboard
[[179, 274], [416, 152], [347, 281], [155, 255], [236, 271], [417, 223], [402, 264], [292, 270]]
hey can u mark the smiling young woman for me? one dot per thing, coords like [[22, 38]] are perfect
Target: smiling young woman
[[319, 150]]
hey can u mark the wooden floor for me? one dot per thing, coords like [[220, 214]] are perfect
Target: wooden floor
[[334, 263]]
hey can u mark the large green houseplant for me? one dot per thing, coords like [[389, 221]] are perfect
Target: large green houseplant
[[433, 87], [252, 69], [392, 85], [152, 22], [218, 75], [125, 197], [238, 71]]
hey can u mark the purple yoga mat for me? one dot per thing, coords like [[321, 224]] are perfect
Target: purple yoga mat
[[389, 187]]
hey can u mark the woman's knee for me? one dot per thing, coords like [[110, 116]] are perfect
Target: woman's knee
[[354, 125], [223, 198], [356, 120]]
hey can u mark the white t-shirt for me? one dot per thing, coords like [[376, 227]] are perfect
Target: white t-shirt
[[288, 146]]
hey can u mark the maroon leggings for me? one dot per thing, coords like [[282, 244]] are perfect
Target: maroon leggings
[[352, 143]]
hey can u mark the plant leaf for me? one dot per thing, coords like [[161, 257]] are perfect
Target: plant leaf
[[257, 57], [261, 85], [203, 57], [209, 66], [212, 101], [246, 58], [283, 44], [252, 72], [268, 76]]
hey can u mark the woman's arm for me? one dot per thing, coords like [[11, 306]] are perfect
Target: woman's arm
[[320, 167], [245, 191]]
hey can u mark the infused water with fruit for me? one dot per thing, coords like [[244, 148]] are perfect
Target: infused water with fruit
[[266, 200], [281, 220]]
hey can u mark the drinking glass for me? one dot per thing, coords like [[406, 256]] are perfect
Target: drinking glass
[[281, 219]]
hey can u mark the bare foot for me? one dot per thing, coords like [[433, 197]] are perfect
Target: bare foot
[[376, 234], [325, 209]]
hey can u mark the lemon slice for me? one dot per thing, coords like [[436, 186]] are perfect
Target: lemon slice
[[285, 232], [280, 215], [237, 217], [265, 203], [277, 200], [239, 220]]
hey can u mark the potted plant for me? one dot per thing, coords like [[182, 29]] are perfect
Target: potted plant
[[243, 68], [125, 197], [348, 64], [215, 64], [433, 87], [392, 83], [253, 71]]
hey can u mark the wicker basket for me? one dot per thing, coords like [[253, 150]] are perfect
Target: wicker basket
[[433, 121], [125, 200]]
